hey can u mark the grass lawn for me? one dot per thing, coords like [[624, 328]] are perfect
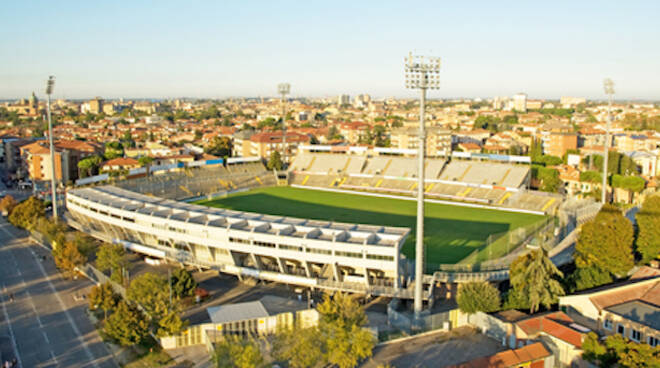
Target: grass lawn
[[451, 232]]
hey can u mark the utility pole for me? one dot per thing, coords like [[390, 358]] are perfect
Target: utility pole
[[421, 73], [608, 85], [284, 89], [53, 182]]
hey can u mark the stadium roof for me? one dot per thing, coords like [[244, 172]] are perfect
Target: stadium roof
[[247, 221]]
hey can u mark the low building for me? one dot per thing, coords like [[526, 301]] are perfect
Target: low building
[[630, 308], [255, 318], [534, 356], [119, 164], [263, 144], [38, 164]]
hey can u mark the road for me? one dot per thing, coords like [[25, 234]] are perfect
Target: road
[[44, 325]]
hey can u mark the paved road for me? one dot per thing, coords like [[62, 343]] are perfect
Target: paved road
[[45, 325]]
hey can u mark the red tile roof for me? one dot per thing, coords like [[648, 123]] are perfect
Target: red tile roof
[[121, 161], [509, 358]]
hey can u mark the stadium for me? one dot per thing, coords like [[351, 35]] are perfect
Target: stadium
[[341, 218]]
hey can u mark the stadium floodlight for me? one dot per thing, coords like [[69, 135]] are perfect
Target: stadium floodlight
[[422, 72], [50, 84], [608, 86], [284, 89]]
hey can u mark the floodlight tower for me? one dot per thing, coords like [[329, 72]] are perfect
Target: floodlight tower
[[53, 181], [608, 86], [284, 89], [421, 73]]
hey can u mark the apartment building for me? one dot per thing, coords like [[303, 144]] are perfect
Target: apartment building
[[263, 144], [438, 140], [37, 163]]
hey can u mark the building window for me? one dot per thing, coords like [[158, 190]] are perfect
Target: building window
[[621, 329], [380, 257], [291, 247], [635, 335], [348, 254], [653, 341], [319, 251], [264, 244], [607, 324]]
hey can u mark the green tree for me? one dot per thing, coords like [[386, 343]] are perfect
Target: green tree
[[606, 242], [126, 325], [300, 347], [478, 296], [587, 278], [104, 298], [26, 213], [220, 146], [67, 257], [591, 177], [183, 283], [113, 150], [648, 221], [533, 275], [150, 290], [145, 160], [275, 161], [341, 326], [113, 258], [237, 352], [171, 324], [618, 351]]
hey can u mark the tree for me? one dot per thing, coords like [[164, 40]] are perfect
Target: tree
[[89, 166], [237, 352], [150, 291], [587, 278], [606, 242], [620, 352], [26, 213], [171, 324], [183, 284], [275, 161], [648, 221], [67, 257], [342, 329], [113, 150], [145, 160], [478, 296], [300, 347], [103, 297], [126, 325], [7, 204], [533, 276], [113, 258], [220, 146]]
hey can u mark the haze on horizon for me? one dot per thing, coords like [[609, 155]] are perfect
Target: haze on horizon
[[208, 49]]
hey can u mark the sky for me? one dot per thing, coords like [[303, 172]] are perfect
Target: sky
[[218, 49]]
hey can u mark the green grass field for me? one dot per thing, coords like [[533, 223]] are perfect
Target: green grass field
[[451, 232]]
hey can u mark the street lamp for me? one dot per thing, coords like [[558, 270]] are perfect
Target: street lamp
[[53, 182], [284, 89], [608, 86], [421, 73]]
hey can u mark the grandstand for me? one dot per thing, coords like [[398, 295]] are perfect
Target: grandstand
[[184, 183], [473, 181]]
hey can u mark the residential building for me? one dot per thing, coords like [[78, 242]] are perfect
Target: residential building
[[263, 144], [568, 102], [119, 164], [533, 356], [38, 164], [343, 100], [354, 132], [438, 140], [630, 308], [557, 143], [520, 102]]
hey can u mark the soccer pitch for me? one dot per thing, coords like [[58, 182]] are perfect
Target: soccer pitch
[[451, 232]]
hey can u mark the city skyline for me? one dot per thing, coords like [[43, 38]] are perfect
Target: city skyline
[[236, 50]]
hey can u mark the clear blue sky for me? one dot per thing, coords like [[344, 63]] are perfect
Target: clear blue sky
[[324, 48]]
